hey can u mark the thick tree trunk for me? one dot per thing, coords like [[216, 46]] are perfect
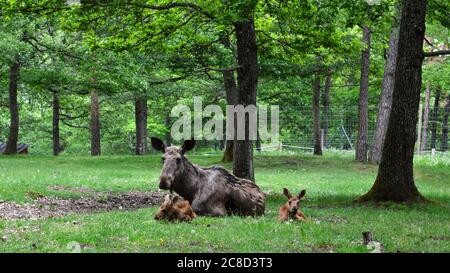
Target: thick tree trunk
[[326, 106], [141, 111], [362, 144], [444, 137], [316, 114], [426, 112], [231, 92], [55, 129], [95, 125], [385, 104], [247, 83], [13, 137], [435, 117], [395, 180]]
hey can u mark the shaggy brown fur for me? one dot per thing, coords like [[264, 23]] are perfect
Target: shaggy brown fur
[[211, 191], [173, 209]]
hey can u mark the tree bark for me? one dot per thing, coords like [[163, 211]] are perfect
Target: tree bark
[[141, 112], [167, 124], [395, 180], [13, 137], [247, 79], [258, 142], [55, 129], [231, 93], [426, 112], [228, 153], [435, 117], [362, 145], [444, 137], [316, 114], [385, 104], [326, 106], [95, 125]]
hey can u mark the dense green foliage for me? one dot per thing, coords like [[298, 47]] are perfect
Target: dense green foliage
[[129, 49]]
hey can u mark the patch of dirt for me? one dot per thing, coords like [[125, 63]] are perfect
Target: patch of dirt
[[44, 207], [69, 189]]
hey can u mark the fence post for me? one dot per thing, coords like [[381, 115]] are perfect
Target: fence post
[[322, 137]]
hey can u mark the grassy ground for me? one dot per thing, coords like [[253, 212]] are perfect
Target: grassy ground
[[332, 183]]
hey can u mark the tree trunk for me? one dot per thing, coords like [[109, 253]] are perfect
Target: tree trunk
[[316, 114], [228, 153], [55, 129], [426, 112], [444, 138], [395, 180], [435, 117], [141, 111], [167, 124], [231, 93], [258, 142], [326, 106], [361, 144], [247, 79], [385, 105], [95, 124], [13, 137]]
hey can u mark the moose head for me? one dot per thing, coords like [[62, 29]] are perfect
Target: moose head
[[174, 162], [166, 211], [173, 209], [294, 201]]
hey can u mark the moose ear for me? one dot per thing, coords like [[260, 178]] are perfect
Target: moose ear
[[175, 199], [158, 144], [167, 199], [187, 146], [301, 194], [287, 193]]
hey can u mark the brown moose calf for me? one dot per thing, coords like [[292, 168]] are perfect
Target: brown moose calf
[[291, 210], [173, 209]]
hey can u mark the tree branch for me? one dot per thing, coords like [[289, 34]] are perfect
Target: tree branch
[[69, 117], [437, 53], [428, 42], [75, 126], [172, 5]]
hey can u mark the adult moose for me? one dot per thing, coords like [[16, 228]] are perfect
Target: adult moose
[[211, 191]]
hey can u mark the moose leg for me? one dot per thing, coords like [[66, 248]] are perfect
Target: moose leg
[[198, 208], [218, 210], [300, 216], [209, 208]]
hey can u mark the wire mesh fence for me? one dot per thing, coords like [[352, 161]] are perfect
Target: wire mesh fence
[[339, 130]]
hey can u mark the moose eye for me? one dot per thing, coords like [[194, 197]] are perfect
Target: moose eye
[[290, 202], [178, 160]]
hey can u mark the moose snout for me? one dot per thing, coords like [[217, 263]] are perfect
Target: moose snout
[[165, 182]]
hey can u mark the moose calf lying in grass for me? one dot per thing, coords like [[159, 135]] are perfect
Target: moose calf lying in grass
[[175, 209], [291, 210]]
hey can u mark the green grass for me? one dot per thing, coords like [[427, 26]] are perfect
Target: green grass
[[332, 183]]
